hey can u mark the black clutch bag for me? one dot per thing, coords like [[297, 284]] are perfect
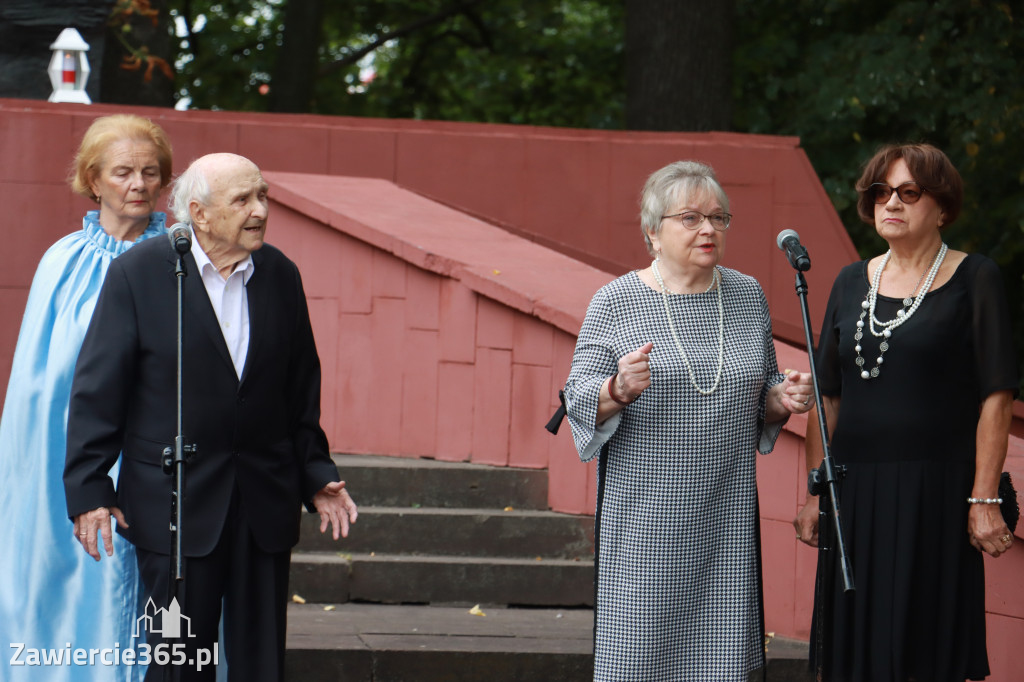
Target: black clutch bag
[[1009, 507]]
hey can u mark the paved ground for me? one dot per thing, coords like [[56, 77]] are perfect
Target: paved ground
[[379, 627]]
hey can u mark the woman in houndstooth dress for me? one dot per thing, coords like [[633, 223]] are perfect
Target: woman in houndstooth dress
[[674, 385]]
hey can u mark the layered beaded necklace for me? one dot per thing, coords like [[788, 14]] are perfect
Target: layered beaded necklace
[[884, 330], [715, 279]]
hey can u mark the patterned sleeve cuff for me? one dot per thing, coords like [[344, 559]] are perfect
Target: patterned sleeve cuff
[[769, 431], [601, 434]]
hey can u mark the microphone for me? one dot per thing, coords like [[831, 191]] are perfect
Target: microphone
[[181, 238], [789, 242]]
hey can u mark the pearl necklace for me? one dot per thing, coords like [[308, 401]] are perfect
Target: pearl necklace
[[715, 279], [884, 329]]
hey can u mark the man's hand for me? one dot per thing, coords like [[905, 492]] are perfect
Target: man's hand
[[92, 525], [335, 507]]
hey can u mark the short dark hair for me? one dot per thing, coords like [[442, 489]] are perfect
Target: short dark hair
[[931, 169]]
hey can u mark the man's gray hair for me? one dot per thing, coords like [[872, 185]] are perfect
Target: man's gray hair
[[680, 180], [190, 186]]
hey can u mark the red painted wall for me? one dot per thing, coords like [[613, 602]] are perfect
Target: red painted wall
[[440, 335], [576, 191]]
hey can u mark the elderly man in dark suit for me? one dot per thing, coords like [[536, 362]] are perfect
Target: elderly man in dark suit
[[251, 399]]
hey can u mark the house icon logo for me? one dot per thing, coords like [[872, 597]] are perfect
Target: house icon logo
[[167, 622]]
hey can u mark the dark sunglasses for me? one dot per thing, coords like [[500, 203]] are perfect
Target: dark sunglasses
[[908, 192]]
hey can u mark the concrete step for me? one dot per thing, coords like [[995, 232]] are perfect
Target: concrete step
[[374, 643], [458, 532], [379, 481], [377, 643], [787, 660], [429, 579]]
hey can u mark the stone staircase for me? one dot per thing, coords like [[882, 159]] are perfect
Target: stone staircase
[[395, 601], [392, 602]]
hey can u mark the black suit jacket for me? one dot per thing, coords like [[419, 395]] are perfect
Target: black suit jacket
[[260, 433]]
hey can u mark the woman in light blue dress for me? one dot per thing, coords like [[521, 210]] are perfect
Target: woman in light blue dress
[[53, 596]]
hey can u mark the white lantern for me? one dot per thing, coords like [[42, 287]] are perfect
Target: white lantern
[[69, 68]]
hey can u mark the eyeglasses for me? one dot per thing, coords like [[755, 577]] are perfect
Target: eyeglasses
[[692, 220], [908, 192]]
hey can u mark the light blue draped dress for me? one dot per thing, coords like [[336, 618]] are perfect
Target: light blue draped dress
[[52, 594]]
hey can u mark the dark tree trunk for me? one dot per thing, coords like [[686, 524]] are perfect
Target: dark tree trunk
[[678, 64], [291, 86], [146, 47], [29, 27]]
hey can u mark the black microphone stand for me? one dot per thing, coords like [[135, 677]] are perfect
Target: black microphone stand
[[174, 460], [823, 481]]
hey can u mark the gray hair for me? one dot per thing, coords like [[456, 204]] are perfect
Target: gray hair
[[682, 179], [188, 187]]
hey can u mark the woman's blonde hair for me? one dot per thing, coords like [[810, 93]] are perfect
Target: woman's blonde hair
[[109, 130]]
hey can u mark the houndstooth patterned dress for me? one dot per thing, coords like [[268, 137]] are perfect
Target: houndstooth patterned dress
[[678, 570]]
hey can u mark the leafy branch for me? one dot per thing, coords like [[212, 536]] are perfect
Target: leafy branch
[[121, 16], [353, 57]]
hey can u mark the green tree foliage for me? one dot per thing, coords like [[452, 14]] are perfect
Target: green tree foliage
[[848, 76], [509, 61], [226, 51]]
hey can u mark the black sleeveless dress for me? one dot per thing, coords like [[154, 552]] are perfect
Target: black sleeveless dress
[[907, 439]]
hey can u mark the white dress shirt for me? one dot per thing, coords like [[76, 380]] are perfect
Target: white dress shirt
[[230, 302]]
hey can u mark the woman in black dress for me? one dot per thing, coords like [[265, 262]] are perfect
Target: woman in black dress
[[918, 375]]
